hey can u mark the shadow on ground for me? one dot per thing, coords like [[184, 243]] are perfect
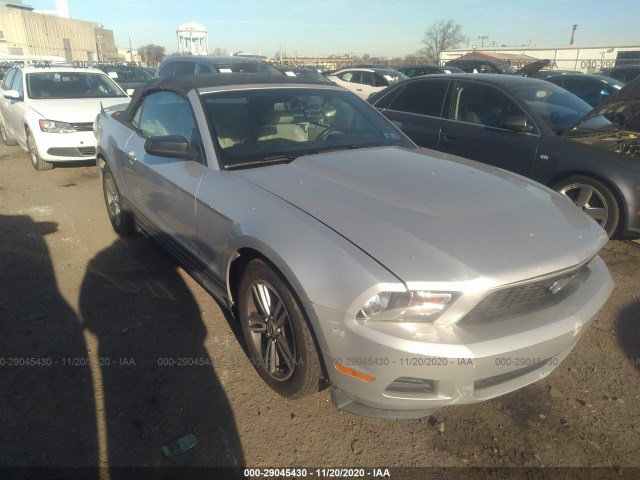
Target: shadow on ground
[[46, 398], [628, 327], [159, 382]]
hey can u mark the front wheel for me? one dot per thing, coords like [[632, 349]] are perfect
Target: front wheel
[[276, 333], [36, 161], [121, 219], [594, 198]]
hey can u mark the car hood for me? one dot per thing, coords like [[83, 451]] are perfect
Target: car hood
[[430, 217], [533, 67], [74, 110], [621, 108]]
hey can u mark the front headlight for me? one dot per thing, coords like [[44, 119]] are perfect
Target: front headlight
[[52, 126], [414, 306]]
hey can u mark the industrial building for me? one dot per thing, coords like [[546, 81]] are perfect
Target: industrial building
[[581, 58], [26, 33]]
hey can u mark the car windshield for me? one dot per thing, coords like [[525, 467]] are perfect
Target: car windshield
[[280, 124], [558, 108], [126, 73], [77, 84], [246, 67]]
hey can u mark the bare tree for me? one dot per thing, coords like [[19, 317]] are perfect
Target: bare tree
[[441, 36], [151, 54]]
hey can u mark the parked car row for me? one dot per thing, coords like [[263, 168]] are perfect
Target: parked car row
[[430, 273]]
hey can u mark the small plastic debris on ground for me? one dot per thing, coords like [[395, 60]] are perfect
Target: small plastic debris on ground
[[179, 446]]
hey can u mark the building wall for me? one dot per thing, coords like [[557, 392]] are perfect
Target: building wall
[[30, 33]]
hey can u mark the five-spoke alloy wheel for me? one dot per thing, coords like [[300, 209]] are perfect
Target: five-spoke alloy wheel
[[276, 334], [594, 198]]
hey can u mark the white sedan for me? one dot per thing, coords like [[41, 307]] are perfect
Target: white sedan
[[365, 81], [50, 111]]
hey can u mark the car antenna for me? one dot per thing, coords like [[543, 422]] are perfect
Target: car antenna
[[101, 108]]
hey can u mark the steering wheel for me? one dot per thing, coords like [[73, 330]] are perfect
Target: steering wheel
[[328, 131]]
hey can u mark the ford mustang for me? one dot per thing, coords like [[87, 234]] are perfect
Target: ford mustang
[[407, 279]]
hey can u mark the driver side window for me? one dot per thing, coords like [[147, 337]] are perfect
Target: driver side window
[[167, 113]]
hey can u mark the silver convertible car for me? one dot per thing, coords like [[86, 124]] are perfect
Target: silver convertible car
[[407, 279]]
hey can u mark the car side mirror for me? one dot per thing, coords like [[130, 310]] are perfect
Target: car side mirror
[[172, 146], [12, 95], [517, 123]]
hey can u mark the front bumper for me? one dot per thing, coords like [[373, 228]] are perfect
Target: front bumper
[[66, 147], [425, 368]]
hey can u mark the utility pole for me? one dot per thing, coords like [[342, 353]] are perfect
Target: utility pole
[[482, 39], [573, 35]]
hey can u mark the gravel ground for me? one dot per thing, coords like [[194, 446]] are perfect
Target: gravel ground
[[97, 318]]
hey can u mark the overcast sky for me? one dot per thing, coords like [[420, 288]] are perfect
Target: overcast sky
[[379, 28]]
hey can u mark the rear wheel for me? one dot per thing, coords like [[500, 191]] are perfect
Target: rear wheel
[[594, 198], [121, 219], [36, 161], [6, 139], [276, 333]]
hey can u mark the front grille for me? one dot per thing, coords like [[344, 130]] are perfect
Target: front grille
[[506, 377], [87, 151], [527, 297], [72, 151], [83, 127]]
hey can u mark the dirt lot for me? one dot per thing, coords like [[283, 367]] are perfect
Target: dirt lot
[[88, 319]]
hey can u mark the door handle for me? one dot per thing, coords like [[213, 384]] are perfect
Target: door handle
[[450, 138], [131, 156]]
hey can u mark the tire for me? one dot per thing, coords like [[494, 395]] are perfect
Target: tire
[[32, 149], [6, 139], [270, 341], [121, 219], [594, 198]]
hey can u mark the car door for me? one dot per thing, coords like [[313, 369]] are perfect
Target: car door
[[371, 82], [16, 108], [162, 190], [6, 104], [353, 81], [475, 128], [417, 109]]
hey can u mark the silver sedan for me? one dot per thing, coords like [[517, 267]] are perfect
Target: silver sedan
[[408, 279]]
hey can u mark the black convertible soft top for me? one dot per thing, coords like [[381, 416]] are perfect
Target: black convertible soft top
[[185, 83]]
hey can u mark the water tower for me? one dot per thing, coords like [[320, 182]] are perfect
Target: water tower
[[192, 39]]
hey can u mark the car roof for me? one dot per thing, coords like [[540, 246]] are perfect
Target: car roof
[[185, 83], [491, 78], [365, 69], [212, 59]]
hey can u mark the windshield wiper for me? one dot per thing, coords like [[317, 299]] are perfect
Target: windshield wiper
[[262, 161], [334, 148]]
